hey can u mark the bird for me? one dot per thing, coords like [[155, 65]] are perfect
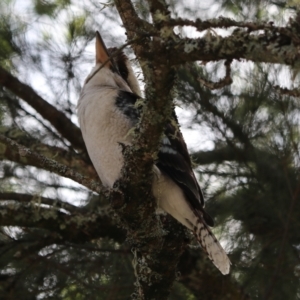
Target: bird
[[107, 112]]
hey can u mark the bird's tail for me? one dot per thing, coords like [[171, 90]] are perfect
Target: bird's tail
[[211, 246]]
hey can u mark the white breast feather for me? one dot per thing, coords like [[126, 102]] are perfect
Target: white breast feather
[[103, 127]]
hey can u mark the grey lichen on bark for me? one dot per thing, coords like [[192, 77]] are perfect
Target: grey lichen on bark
[[21, 154], [60, 155], [77, 227], [150, 239]]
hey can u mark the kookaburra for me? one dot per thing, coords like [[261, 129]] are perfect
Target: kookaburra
[[107, 112]]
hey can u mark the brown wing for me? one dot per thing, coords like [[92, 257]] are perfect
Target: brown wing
[[174, 160], [173, 156]]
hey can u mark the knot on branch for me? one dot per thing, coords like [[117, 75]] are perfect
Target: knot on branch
[[227, 80]]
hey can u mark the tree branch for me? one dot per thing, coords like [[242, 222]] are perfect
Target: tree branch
[[227, 80], [155, 267], [60, 155], [289, 92], [266, 47], [57, 118], [208, 105], [134, 26], [159, 11], [75, 228], [221, 22], [217, 156], [274, 45], [37, 199], [20, 154]]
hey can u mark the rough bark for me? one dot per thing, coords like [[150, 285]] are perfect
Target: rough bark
[[60, 155]]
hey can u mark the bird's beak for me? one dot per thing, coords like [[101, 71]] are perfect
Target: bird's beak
[[102, 55]]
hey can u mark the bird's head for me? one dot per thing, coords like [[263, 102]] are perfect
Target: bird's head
[[112, 69]]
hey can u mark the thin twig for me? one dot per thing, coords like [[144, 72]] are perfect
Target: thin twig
[[227, 80]]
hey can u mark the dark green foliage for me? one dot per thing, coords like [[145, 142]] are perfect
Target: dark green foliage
[[259, 127], [30, 268], [249, 172], [50, 8], [9, 29]]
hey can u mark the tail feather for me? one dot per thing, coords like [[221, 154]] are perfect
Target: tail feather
[[211, 246]]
